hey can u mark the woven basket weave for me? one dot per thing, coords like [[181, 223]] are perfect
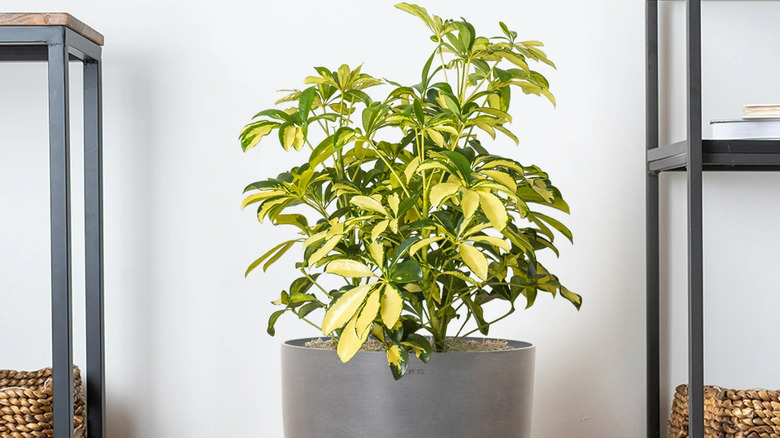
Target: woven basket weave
[[729, 413], [26, 404]]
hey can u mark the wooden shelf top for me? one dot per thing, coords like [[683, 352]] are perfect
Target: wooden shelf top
[[52, 19]]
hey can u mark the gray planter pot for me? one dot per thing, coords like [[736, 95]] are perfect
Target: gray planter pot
[[484, 394]]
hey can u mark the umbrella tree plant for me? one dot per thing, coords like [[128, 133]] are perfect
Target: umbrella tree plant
[[400, 197]]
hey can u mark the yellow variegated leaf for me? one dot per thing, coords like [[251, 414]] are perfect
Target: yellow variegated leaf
[[549, 96], [394, 356], [367, 203], [314, 238], [540, 187], [432, 165], [379, 228], [393, 201], [515, 59], [367, 314], [298, 142], [257, 197], [494, 210], [475, 260], [411, 168], [447, 128], [485, 126], [324, 250], [413, 287], [392, 304], [343, 75], [504, 117], [268, 206], [377, 252], [349, 343], [495, 241], [508, 133], [504, 163], [436, 137], [423, 243], [349, 268], [343, 189], [502, 178], [441, 191], [475, 229], [469, 200], [344, 308], [394, 225], [336, 228], [288, 137], [315, 80]]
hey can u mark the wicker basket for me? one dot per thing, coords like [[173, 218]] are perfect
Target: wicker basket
[[26, 404], [728, 413]]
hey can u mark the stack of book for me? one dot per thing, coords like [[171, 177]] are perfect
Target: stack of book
[[758, 122]]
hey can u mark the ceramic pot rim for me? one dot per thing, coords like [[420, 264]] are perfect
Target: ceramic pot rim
[[516, 346]]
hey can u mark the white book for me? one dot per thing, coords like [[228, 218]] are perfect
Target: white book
[[746, 129], [759, 111]]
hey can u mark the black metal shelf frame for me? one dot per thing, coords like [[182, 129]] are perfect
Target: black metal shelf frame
[[693, 155], [58, 45]]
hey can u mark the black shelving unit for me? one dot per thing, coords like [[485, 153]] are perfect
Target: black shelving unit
[[58, 39], [693, 155]]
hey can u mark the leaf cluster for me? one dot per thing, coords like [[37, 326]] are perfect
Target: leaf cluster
[[401, 200]]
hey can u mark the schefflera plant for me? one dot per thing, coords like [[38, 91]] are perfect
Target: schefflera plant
[[401, 199]]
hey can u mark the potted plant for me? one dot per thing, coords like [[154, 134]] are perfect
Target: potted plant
[[400, 199]]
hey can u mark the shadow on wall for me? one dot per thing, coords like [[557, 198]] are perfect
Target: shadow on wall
[[129, 130]]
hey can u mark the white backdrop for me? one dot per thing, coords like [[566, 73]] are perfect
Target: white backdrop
[[187, 352]]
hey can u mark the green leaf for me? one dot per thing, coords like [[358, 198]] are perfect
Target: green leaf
[[305, 101], [278, 255], [508, 133], [307, 308], [398, 359], [272, 321], [421, 345], [349, 268], [402, 249], [426, 69], [298, 220], [322, 152], [407, 271], [341, 137], [270, 252], [461, 162], [563, 229], [418, 111], [275, 113]]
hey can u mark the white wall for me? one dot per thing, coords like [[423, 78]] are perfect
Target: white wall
[[187, 352]]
